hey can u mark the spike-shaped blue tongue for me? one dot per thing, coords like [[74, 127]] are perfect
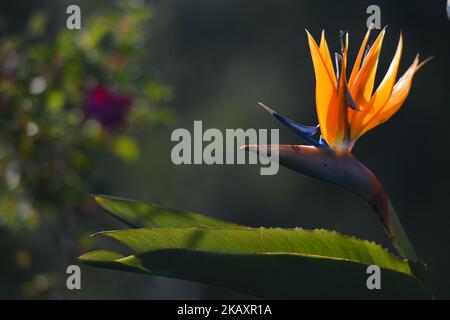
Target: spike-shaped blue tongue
[[306, 132], [349, 99], [348, 95], [338, 62]]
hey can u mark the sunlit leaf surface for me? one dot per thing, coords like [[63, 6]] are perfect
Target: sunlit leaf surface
[[262, 262], [136, 215]]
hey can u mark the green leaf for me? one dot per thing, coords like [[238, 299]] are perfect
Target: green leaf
[[318, 242], [106, 259], [266, 263], [262, 262], [270, 275], [140, 215]]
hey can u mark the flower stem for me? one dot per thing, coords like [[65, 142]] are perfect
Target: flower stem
[[398, 235], [401, 242]]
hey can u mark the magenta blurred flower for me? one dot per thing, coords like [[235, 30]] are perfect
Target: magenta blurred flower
[[106, 106]]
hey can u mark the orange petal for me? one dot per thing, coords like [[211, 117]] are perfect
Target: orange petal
[[399, 93], [325, 53], [342, 132], [362, 87], [359, 57], [345, 53], [329, 111], [398, 96], [364, 121]]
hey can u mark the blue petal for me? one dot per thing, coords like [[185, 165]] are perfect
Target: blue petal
[[298, 128], [338, 62], [349, 99], [306, 132], [323, 142], [348, 95]]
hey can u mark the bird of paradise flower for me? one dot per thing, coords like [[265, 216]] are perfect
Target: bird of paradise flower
[[347, 109]]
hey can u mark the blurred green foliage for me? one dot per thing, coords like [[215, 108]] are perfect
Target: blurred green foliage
[[52, 136], [70, 100]]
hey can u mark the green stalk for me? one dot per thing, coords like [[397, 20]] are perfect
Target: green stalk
[[401, 242], [398, 235]]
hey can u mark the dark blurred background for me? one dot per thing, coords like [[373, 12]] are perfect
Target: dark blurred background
[[219, 58]]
